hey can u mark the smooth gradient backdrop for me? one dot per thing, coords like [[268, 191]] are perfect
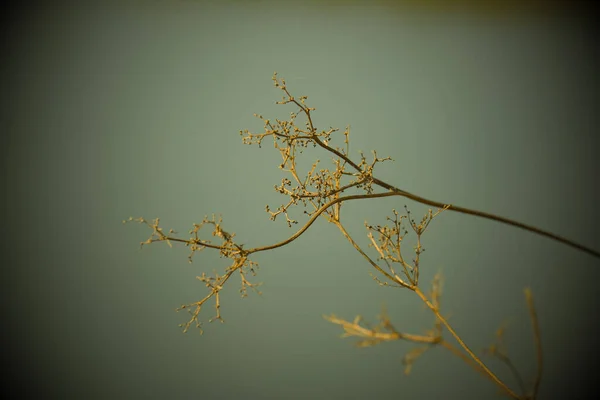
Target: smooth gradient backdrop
[[112, 112]]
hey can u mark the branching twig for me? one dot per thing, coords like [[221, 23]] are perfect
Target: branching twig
[[322, 191]]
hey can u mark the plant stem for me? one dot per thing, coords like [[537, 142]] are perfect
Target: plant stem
[[463, 344]]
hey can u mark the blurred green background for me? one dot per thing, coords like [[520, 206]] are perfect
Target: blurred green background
[[135, 110]]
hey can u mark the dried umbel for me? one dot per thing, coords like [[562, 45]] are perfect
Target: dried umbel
[[321, 192]]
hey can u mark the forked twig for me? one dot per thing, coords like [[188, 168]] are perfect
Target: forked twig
[[321, 192]]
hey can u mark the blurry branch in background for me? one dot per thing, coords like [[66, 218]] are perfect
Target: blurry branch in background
[[321, 192]]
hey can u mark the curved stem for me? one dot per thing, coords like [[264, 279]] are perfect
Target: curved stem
[[490, 216], [462, 210], [316, 215]]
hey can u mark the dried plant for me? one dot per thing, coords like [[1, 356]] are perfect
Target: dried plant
[[321, 192]]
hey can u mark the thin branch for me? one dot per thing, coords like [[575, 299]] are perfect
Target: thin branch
[[464, 345], [464, 210], [537, 338], [316, 215]]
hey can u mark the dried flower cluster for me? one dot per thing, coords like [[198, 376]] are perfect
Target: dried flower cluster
[[321, 192]]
